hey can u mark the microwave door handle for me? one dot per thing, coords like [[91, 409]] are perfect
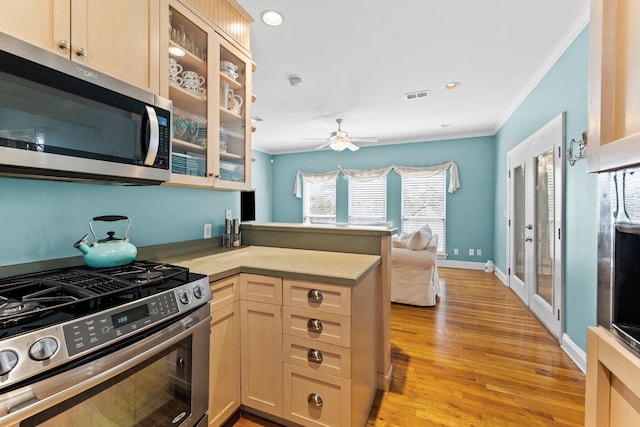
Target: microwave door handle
[[154, 136]]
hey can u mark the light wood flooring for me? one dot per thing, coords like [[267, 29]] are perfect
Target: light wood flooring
[[478, 358]]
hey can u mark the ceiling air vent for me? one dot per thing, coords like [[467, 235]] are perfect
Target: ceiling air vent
[[416, 95]]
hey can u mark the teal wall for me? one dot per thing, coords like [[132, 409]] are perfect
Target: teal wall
[[564, 88], [470, 210], [42, 219]]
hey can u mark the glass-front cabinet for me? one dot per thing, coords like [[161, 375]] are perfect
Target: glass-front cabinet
[[209, 82]]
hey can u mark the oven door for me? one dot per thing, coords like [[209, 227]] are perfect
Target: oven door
[[161, 380]]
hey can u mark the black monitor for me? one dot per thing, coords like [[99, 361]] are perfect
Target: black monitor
[[247, 206]]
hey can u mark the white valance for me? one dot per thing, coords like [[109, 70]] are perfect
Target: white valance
[[428, 171], [312, 177], [371, 174]]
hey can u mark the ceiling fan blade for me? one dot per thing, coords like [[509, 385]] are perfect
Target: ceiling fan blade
[[315, 139], [323, 146], [364, 139], [352, 147]]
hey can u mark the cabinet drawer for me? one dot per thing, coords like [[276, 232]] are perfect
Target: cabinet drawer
[[224, 292], [315, 325], [258, 288], [328, 298], [326, 358], [335, 394]]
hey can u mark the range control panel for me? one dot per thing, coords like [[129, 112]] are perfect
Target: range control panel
[[109, 325]]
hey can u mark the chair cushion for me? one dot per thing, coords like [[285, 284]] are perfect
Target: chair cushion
[[400, 241], [419, 239]]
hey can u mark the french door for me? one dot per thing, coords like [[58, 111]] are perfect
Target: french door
[[535, 222]]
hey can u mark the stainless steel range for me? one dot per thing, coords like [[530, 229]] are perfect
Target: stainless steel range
[[121, 346]]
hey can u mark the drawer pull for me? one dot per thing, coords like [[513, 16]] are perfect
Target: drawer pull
[[314, 355], [314, 325], [315, 400], [314, 295]]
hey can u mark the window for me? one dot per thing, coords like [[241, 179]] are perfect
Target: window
[[319, 201], [424, 202], [368, 201]]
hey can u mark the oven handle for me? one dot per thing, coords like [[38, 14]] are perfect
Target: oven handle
[[24, 402]]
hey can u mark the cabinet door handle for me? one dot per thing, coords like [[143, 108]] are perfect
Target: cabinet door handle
[[315, 400], [81, 52], [314, 355], [314, 295], [64, 45], [314, 325]]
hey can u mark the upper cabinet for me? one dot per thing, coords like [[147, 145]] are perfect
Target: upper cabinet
[[614, 98], [208, 78], [116, 37]]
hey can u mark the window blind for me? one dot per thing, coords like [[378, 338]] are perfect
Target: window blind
[[368, 201], [424, 203], [319, 201]]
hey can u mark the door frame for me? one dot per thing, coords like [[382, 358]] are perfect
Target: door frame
[[554, 324]]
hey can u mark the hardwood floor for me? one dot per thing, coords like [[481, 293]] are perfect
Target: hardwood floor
[[478, 358]]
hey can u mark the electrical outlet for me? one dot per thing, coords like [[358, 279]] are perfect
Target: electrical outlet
[[227, 214], [207, 231], [479, 252], [455, 251], [471, 252]]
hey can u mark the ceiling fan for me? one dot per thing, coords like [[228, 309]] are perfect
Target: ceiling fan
[[339, 140]]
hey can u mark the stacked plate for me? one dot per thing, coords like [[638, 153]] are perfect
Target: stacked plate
[[188, 164]]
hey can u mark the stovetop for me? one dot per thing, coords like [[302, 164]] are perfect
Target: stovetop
[[50, 318], [32, 301]]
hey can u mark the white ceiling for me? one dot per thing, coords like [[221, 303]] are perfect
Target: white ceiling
[[357, 59]]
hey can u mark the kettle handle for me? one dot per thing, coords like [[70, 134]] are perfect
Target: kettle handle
[[110, 218]]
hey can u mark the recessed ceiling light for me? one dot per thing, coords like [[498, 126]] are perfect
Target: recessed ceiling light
[[444, 125], [452, 85], [272, 17]]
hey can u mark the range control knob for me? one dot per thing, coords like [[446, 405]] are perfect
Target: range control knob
[[43, 349], [184, 297], [8, 361], [197, 292]]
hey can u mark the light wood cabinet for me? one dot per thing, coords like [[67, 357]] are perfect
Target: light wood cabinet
[[612, 395], [224, 352], [330, 357], [210, 87], [307, 349], [614, 79], [118, 37], [261, 343]]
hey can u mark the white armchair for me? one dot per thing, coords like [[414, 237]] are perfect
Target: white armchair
[[414, 272]]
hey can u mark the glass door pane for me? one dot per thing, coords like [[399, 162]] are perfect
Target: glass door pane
[[188, 49], [519, 221], [545, 213], [233, 103]]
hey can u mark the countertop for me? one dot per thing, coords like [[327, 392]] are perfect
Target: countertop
[[320, 266]]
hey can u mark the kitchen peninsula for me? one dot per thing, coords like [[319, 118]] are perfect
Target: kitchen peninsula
[[292, 333]]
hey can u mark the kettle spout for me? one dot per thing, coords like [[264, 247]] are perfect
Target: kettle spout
[[82, 246]]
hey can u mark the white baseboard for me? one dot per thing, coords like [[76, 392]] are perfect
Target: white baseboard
[[502, 277], [576, 354], [469, 265]]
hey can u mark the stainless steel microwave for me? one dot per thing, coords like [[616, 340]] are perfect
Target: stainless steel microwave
[[62, 120]]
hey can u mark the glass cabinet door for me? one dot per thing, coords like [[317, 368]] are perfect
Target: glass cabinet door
[[235, 125], [188, 83], [209, 82]]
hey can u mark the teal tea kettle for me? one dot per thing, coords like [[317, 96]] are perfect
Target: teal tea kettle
[[108, 252]]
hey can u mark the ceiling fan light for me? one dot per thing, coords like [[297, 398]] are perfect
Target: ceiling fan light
[[338, 145]]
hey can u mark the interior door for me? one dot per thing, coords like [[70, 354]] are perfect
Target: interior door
[[535, 219]]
